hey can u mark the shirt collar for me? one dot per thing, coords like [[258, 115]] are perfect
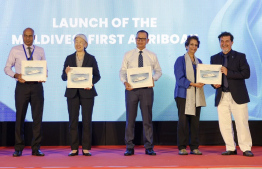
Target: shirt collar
[[32, 46], [229, 53], [137, 50]]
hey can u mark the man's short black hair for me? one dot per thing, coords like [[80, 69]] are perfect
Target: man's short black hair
[[189, 38], [142, 31], [226, 34]]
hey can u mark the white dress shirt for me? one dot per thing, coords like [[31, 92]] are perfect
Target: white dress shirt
[[131, 61], [17, 54]]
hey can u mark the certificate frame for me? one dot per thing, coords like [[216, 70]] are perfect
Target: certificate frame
[[80, 77], [140, 77], [209, 74], [33, 70]]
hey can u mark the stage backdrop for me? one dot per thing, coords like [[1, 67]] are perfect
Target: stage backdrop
[[110, 26]]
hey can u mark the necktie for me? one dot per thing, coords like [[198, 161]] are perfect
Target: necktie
[[224, 76], [29, 52], [140, 59]]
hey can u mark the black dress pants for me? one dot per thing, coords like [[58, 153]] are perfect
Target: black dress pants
[[25, 93], [187, 126], [144, 97], [87, 105]]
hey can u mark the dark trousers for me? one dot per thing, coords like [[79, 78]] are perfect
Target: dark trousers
[[26, 93], [73, 105], [187, 126], [145, 97]]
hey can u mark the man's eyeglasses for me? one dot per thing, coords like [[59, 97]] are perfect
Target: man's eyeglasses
[[141, 39]]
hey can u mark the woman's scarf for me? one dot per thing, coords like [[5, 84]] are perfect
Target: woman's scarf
[[194, 96]]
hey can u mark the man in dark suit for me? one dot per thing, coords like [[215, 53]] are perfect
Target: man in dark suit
[[26, 92], [232, 96]]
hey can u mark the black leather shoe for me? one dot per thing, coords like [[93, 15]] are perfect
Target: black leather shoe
[[73, 154], [17, 153], [38, 153], [150, 151], [129, 152], [86, 154], [230, 152], [248, 154]]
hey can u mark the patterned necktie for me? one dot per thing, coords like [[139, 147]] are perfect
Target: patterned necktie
[[224, 76], [140, 59], [30, 53]]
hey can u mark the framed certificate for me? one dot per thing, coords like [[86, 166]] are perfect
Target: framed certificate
[[80, 77], [34, 70], [140, 77], [209, 74]]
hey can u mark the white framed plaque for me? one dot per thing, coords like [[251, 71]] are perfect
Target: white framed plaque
[[209, 74], [80, 77], [33, 70], [140, 77]]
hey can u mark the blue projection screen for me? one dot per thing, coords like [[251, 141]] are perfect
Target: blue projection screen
[[110, 26]]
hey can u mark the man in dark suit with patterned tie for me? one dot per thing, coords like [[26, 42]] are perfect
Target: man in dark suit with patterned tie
[[232, 96]]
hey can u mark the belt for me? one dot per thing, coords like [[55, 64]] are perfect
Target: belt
[[140, 88], [34, 82]]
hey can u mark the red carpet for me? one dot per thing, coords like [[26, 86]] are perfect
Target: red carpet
[[112, 157]]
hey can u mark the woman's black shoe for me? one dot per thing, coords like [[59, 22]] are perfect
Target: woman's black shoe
[[86, 154], [73, 154]]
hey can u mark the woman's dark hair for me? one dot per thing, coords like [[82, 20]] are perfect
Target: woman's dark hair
[[189, 38]]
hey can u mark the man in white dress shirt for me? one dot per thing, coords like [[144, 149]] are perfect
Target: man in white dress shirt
[[139, 57], [26, 92]]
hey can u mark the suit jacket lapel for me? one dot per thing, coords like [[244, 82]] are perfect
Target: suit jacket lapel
[[74, 60], [85, 60], [231, 58], [221, 59]]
